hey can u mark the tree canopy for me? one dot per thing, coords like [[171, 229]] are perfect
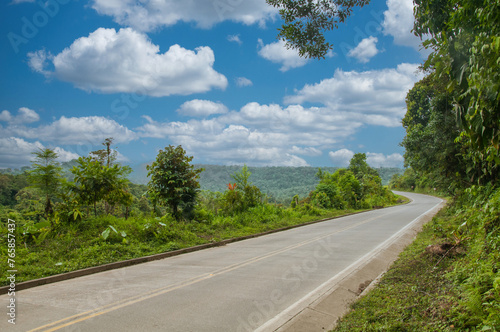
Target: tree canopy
[[173, 180], [465, 38], [46, 175], [306, 21]]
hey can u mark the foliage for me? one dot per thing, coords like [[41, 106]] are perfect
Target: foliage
[[359, 186], [306, 21], [10, 185], [95, 182], [173, 180], [105, 156], [49, 250], [242, 177], [431, 145], [447, 280], [465, 38], [360, 168], [46, 176]]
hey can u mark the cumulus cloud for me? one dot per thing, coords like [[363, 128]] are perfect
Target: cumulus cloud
[[201, 108], [75, 130], [257, 134], [235, 39], [381, 160], [64, 155], [25, 115], [278, 53], [126, 61], [375, 97], [342, 157], [365, 50], [308, 151], [398, 23], [243, 81], [16, 152], [147, 15]]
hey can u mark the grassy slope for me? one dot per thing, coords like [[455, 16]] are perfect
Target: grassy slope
[[80, 245], [447, 280]]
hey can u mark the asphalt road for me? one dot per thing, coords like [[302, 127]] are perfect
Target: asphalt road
[[243, 286]]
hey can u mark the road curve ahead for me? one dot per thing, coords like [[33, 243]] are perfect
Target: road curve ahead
[[256, 284]]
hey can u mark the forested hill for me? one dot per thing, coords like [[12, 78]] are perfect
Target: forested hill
[[278, 182]]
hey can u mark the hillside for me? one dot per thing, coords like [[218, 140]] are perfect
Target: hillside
[[279, 183]]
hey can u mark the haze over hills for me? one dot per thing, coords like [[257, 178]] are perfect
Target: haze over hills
[[279, 182]]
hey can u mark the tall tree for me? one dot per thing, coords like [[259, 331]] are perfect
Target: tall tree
[[95, 182], [431, 145], [173, 180], [242, 177], [306, 21], [465, 38], [360, 168], [105, 156], [46, 176]]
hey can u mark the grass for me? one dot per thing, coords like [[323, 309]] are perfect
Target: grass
[[448, 279], [68, 247]]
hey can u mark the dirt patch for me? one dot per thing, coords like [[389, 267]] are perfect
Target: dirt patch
[[442, 249]]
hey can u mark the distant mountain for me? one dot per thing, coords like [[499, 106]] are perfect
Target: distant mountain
[[279, 183]]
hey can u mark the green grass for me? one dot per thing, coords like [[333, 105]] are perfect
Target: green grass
[[447, 280], [69, 247]]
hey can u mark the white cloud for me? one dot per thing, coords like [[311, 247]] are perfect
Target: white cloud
[[16, 152], [5, 116], [278, 53], [341, 158], [398, 22], [64, 155], [126, 61], [147, 15], [201, 108], [91, 130], [257, 134], [365, 50], [243, 81], [235, 39], [25, 115], [308, 151], [374, 97], [381, 160]]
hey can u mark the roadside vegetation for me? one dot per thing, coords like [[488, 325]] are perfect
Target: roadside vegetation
[[94, 215], [449, 278]]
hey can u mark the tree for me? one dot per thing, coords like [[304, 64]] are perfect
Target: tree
[[95, 182], [10, 185], [105, 156], [46, 176], [306, 21], [173, 180], [465, 38], [431, 145], [242, 177], [360, 168]]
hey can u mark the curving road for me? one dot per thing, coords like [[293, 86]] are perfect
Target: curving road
[[256, 284]]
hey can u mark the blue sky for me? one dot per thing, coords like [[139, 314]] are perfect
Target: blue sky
[[208, 75]]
